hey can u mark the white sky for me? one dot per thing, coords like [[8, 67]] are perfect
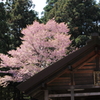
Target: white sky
[[39, 5]]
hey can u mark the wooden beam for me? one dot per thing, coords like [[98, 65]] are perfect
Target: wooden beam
[[76, 68], [72, 92], [76, 94], [87, 94], [75, 87], [72, 87], [72, 78], [59, 95], [46, 95], [97, 63]]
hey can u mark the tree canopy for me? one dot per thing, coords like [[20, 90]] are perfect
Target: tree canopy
[[82, 17], [42, 45], [4, 38], [47, 8], [18, 14]]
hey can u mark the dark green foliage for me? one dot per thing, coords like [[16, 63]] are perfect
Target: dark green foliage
[[50, 5], [14, 16], [82, 17], [47, 8], [12, 93], [59, 11], [82, 20], [4, 37], [20, 15]]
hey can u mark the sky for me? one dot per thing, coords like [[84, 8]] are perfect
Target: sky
[[39, 5]]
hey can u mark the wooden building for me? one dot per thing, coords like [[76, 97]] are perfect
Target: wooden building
[[75, 77]]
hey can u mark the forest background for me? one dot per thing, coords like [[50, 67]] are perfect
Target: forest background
[[76, 19]]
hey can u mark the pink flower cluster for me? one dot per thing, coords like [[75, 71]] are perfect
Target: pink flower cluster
[[43, 44]]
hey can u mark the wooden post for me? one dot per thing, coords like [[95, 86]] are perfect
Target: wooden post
[[97, 63], [72, 92], [46, 95], [72, 87]]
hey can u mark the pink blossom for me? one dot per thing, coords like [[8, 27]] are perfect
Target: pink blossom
[[42, 46]]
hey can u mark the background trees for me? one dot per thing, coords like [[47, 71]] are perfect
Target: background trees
[[14, 16], [4, 37], [20, 14], [82, 17], [83, 20], [42, 45], [41, 41], [47, 8]]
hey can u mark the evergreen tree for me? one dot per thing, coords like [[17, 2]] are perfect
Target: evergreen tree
[[20, 14], [82, 17], [59, 11], [4, 37], [47, 8], [83, 20]]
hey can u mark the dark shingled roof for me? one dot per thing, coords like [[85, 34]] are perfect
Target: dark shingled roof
[[36, 81]]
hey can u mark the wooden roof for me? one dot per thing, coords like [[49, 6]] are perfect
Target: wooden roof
[[58, 74]]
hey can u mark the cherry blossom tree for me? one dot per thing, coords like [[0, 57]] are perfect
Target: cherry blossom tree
[[43, 45]]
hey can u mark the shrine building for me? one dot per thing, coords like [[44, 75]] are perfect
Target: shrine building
[[75, 77]]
